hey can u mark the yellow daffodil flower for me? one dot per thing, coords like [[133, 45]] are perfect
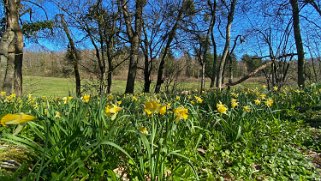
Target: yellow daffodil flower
[[3, 94], [57, 114], [67, 99], [269, 102], [151, 107], [85, 98], [16, 119], [246, 109], [257, 101], [112, 109], [143, 130], [181, 113], [275, 88], [198, 99], [110, 97], [134, 98], [234, 103], [162, 110], [234, 95], [221, 108], [263, 96]]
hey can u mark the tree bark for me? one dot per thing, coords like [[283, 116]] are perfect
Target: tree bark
[[203, 77], [75, 55], [227, 43], [171, 36], [134, 35], [6, 82], [298, 41], [244, 78], [12, 48], [211, 28]]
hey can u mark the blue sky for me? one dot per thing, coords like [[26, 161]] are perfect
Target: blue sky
[[242, 25]]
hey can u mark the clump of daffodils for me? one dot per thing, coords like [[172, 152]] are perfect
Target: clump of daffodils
[[221, 108]]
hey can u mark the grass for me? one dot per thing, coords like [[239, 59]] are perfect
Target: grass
[[60, 87], [48, 86]]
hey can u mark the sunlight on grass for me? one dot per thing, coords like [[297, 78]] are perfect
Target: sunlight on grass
[[48, 86]]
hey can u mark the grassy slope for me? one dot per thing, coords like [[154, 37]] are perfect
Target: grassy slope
[[52, 86], [47, 86]]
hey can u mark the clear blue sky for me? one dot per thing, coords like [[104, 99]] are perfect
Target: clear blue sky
[[243, 24]]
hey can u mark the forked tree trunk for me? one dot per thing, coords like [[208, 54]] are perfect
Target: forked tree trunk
[[170, 36], [227, 43], [134, 35]]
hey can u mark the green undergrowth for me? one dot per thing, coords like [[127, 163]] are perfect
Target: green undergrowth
[[266, 136]]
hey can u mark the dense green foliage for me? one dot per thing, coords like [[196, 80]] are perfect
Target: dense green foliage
[[253, 135]]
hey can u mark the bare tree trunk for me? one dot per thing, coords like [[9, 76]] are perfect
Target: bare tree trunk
[[313, 65], [109, 80], [132, 69], [298, 41], [213, 12], [171, 36], [147, 63], [100, 58], [230, 80], [244, 78], [227, 43], [134, 35], [110, 68], [203, 77], [147, 68], [214, 73], [75, 56]]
